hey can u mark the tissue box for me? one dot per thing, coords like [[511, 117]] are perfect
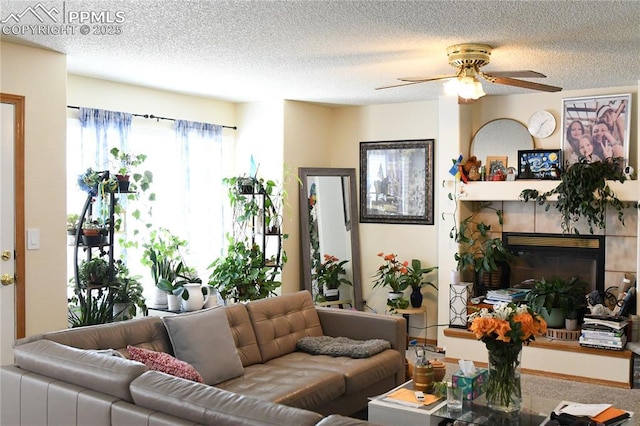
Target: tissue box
[[472, 386]]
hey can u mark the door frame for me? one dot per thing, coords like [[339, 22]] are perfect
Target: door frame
[[18, 103]]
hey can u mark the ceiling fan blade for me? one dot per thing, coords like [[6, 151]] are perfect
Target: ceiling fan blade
[[517, 74], [399, 85], [525, 84], [423, 79]]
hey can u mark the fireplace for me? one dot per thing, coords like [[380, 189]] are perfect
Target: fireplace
[[564, 256]]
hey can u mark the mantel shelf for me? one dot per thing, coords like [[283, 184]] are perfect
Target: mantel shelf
[[510, 191]]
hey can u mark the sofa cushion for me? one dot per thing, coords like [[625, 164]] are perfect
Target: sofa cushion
[[243, 335], [301, 388], [107, 374], [147, 332], [203, 339], [279, 322], [212, 406], [160, 361], [358, 373]]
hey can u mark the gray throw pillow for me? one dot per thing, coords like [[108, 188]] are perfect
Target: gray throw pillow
[[203, 339]]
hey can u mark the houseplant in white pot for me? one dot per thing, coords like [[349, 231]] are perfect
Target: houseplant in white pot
[[329, 274]]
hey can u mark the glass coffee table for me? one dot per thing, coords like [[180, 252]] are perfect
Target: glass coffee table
[[533, 412]]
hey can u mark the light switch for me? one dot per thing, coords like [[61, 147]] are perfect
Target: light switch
[[33, 239]]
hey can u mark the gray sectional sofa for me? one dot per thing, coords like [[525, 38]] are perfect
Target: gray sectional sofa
[[64, 377]]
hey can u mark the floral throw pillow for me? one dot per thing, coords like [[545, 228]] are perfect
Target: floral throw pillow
[[165, 363]]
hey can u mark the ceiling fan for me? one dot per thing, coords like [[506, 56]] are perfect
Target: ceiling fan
[[468, 59]]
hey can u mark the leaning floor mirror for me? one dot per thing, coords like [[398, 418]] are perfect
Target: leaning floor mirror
[[329, 236]]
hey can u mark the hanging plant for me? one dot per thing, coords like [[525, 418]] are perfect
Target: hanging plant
[[584, 192]]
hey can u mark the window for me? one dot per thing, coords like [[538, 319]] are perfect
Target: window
[[187, 180]]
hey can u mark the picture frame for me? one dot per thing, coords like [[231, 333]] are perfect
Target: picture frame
[[396, 181], [495, 163], [600, 121], [541, 164]]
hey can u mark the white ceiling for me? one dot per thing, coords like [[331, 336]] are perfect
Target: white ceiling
[[337, 52]]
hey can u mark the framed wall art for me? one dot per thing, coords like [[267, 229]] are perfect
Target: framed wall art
[[596, 128], [539, 164], [396, 182]]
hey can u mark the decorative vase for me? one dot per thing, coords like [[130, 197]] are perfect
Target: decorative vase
[[173, 302], [160, 298], [198, 296], [416, 297], [503, 384], [331, 294]]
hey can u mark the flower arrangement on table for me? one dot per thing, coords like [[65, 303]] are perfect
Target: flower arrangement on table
[[329, 271], [504, 330]]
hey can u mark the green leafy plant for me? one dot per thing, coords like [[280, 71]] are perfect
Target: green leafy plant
[[584, 192], [241, 275], [127, 289], [566, 295], [415, 275], [479, 251], [93, 272], [125, 161], [72, 221], [329, 272]]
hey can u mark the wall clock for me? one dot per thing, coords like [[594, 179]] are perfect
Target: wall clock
[[541, 124]]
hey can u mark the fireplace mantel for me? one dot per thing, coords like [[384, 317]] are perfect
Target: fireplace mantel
[[510, 191]]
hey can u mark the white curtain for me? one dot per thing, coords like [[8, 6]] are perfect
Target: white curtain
[[185, 159]]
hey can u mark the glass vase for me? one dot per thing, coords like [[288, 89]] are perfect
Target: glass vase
[[503, 391]]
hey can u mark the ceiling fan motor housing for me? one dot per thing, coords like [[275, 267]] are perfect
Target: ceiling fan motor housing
[[469, 55]]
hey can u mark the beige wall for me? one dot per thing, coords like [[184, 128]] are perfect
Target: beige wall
[[352, 125], [307, 131], [41, 77]]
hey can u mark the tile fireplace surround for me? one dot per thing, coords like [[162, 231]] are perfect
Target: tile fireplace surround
[[545, 356]]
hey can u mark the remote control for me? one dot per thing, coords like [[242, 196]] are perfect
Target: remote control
[[419, 396]]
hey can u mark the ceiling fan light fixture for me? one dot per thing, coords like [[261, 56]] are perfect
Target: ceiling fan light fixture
[[470, 88]]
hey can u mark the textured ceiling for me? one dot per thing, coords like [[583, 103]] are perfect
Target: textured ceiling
[[337, 52]]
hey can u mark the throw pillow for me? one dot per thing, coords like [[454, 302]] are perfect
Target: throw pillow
[[161, 361], [203, 339], [342, 346]]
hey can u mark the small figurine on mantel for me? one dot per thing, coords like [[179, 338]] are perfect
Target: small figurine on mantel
[[470, 170]]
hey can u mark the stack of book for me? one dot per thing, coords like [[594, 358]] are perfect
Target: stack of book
[[506, 295], [604, 332]]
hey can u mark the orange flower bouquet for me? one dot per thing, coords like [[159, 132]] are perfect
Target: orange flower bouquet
[[504, 330]]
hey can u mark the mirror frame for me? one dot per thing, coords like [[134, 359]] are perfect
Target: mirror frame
[[303, 174]]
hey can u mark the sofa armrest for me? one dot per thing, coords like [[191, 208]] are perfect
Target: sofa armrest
[[107, 374], [364, 326], [209, 405]]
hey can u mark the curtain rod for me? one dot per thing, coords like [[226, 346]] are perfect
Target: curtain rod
[[156, 117]]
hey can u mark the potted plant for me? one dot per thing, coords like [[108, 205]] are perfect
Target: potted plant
[[93, 233], [162, 255], [72, 227], [241, 274], [127, 294], [125, 162], [414, 277], [93, 272], [556, 299], [328, 274], [584, 192], [389, 275], [479, 252]]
